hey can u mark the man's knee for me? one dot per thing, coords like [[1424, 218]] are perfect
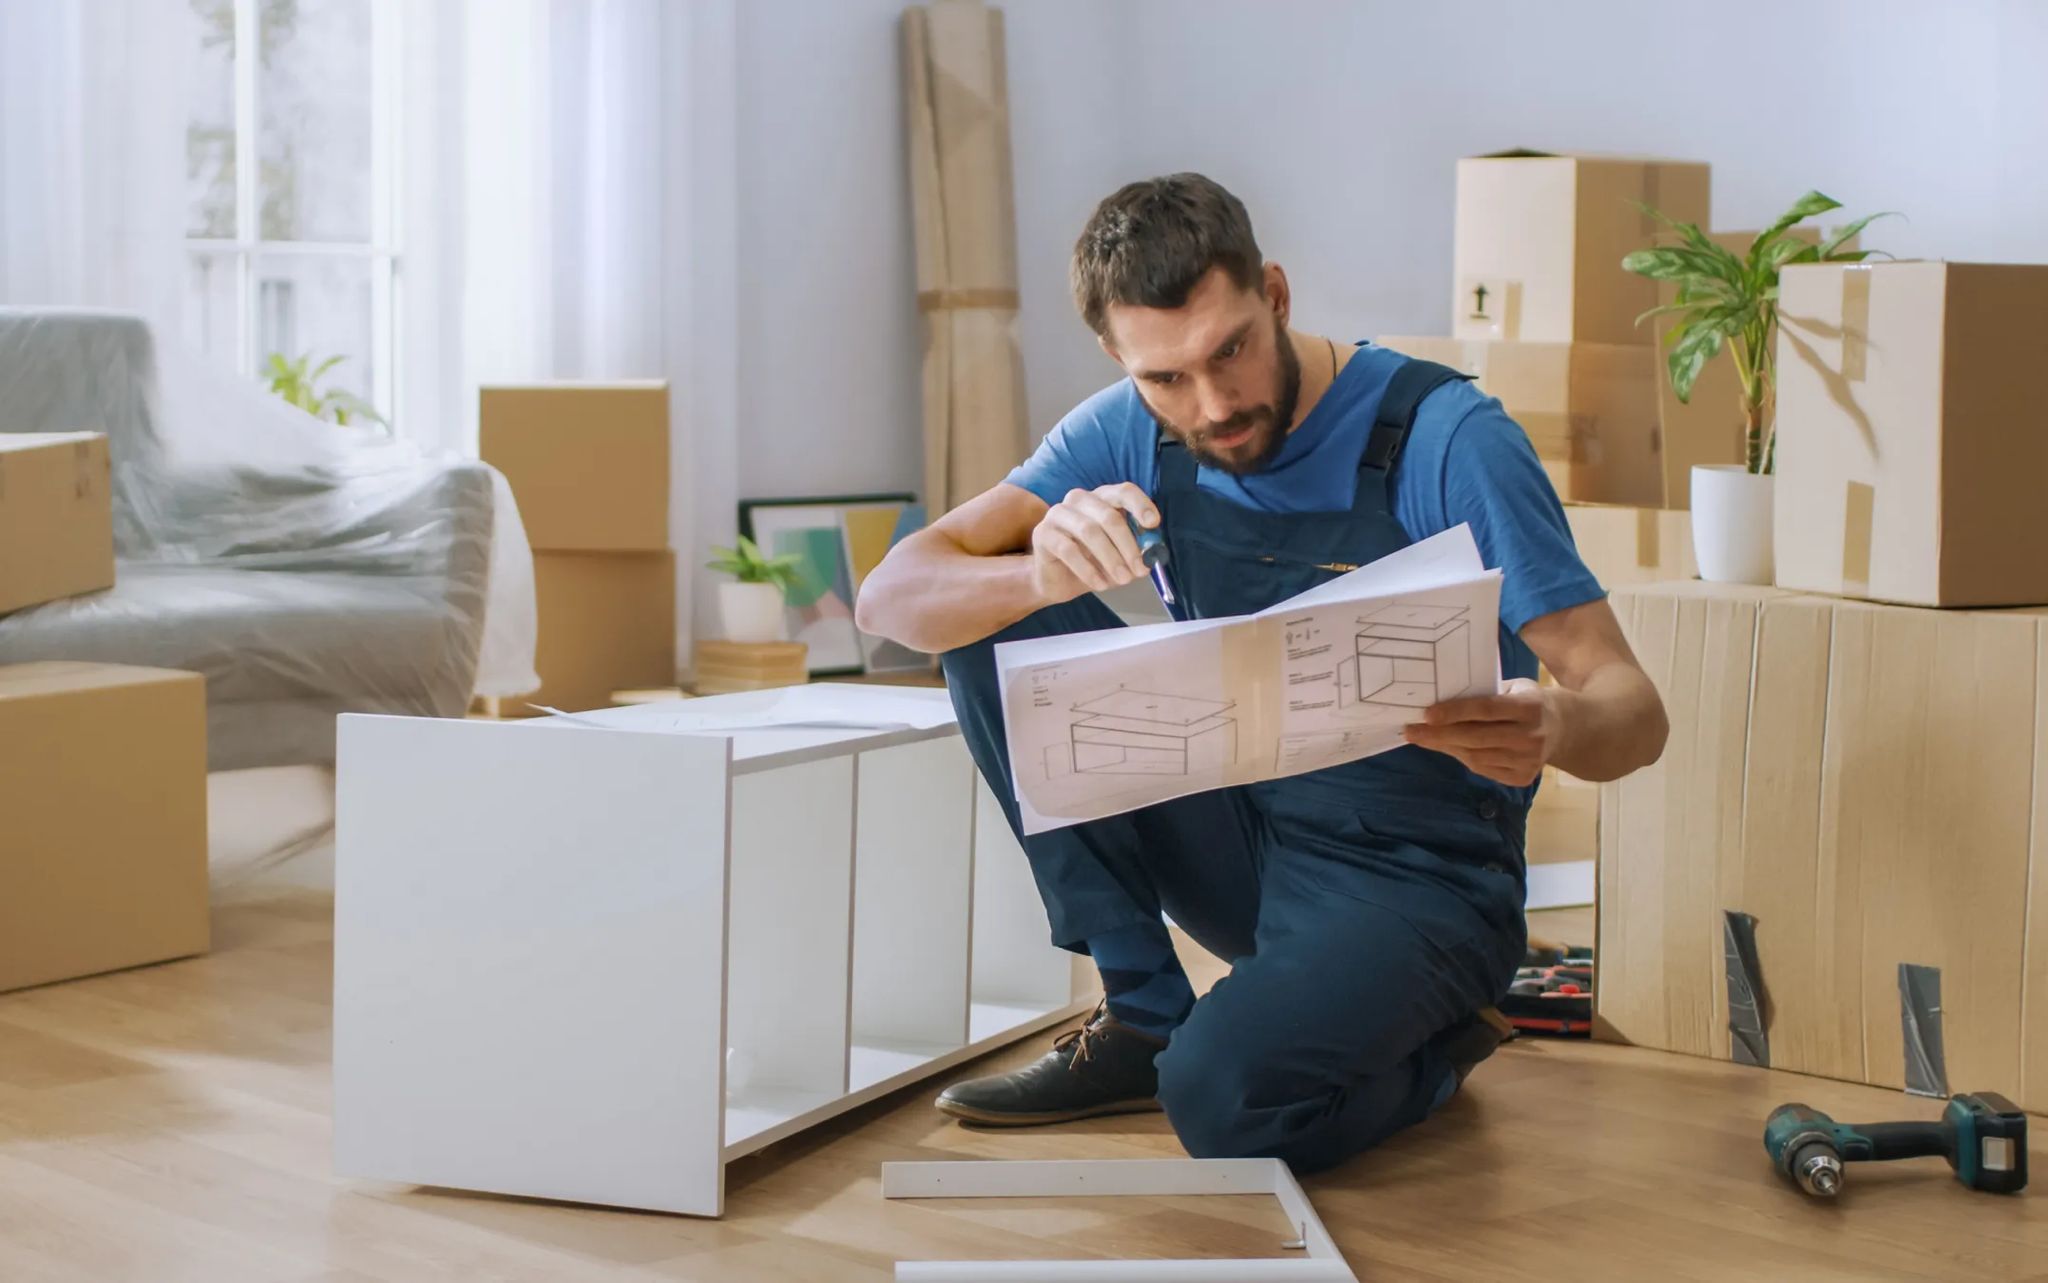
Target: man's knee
[[1225, 1097], [1233, 1098]]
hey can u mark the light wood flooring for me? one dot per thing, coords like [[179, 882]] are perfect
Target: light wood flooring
[[170, 1124]]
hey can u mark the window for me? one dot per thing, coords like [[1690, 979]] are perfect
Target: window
[[290, 175]]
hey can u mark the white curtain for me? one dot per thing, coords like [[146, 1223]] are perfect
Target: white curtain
[[534, 213], [92, 153]]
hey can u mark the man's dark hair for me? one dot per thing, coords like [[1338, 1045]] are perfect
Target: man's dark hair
[[1148, 245]]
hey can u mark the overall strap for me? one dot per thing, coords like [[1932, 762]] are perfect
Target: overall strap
[[1176, 465], [1413, 380]]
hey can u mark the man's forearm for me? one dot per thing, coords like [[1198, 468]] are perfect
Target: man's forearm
[[931, 595], [1611, 725]]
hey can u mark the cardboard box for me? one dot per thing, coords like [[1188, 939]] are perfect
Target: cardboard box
[[1540, 238], [588, 462], [1590, 409], [56, 517], [1859, 778], [607, 622], [1913, 439], [102, 819], [1624, 545]]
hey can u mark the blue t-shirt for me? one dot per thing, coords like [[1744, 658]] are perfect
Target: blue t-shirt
[[1465, 462]]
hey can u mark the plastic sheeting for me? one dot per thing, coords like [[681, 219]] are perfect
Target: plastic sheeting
[[306, 569]]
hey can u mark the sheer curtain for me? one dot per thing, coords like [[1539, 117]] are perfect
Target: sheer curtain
[[92, 153], [533, 224], [570, 208]]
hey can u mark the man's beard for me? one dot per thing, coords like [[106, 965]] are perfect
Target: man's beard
[[1269, 423]]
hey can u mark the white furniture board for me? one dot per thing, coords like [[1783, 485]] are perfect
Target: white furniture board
[[791, 927], [1319, 1261], [1000, 1036], [1014, 962], [525, 973], [549, 931], [913, 886]]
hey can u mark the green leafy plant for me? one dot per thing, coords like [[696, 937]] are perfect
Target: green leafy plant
[[748, 564], [298, 381], [1726, 299]]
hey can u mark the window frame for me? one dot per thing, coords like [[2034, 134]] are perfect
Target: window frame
[[383, 251]]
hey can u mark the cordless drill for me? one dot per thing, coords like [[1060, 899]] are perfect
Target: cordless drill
[[1981, 1134]]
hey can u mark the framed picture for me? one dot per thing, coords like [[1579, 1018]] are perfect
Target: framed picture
[[838, 541]]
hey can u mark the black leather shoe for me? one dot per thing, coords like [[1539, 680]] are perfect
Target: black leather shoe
[[1473, 1039], [1101, 1068]]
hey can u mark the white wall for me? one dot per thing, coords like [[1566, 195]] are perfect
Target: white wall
[[1338, 122]]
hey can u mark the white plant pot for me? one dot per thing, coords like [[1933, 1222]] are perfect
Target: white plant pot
[[751, 613], [1731, 524]]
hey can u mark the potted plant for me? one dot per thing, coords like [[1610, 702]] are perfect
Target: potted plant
[[298, 381], [750, 608], [1730, 300]]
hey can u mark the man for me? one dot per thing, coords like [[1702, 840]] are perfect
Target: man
[[1372, 912]]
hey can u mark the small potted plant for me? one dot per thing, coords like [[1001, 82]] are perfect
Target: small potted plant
[[1729, 300], [750, 608], [298, 381]]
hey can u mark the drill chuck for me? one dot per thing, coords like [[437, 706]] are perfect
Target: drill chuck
[[1818, 1170]]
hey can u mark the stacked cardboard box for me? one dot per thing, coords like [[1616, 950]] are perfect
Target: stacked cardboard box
[[589, 466], [1860, 779], [1544, 317], [1590, 409], [1912, 439], [56, 517], [102, 819]]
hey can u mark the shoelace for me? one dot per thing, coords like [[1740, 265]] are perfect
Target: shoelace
[[1081, 1035]]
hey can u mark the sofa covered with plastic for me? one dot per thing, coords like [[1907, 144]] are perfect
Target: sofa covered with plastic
[[303, 568]]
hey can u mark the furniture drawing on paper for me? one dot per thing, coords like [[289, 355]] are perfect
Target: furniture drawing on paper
[[1407, 656], [596, 957], [1313, 1256], [1130, 732]]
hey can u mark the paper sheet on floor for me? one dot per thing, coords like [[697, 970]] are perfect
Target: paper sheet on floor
[[1106, 722]]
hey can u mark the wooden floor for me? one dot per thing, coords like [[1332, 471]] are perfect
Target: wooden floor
[[171, 1124]]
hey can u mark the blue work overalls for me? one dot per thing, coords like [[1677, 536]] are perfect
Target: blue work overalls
[[1364, 908]]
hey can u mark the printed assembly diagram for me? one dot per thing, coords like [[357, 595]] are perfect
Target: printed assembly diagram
[[1405, 656], [1138, 732], [1106, 722]]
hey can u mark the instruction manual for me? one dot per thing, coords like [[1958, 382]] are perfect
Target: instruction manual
[[1105, 722]]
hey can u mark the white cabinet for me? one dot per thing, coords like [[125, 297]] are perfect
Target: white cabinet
[[596, 958]]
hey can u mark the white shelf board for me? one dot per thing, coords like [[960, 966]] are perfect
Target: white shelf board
[[877, 1060], [754, 1110], [987, 1020], [1008, 1024]]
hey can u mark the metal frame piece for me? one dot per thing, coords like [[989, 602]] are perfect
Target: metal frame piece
[[1320, 1261]]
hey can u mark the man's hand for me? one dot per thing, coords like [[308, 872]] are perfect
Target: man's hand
[[1084, 545], [1507, 737]]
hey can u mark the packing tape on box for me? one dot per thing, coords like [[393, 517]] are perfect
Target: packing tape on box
[[1648, 537], [1855, 321], [1653, 196], [81, 460], [1920, 1023], [1859, 509], [1748, 1044], [991, 297]]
